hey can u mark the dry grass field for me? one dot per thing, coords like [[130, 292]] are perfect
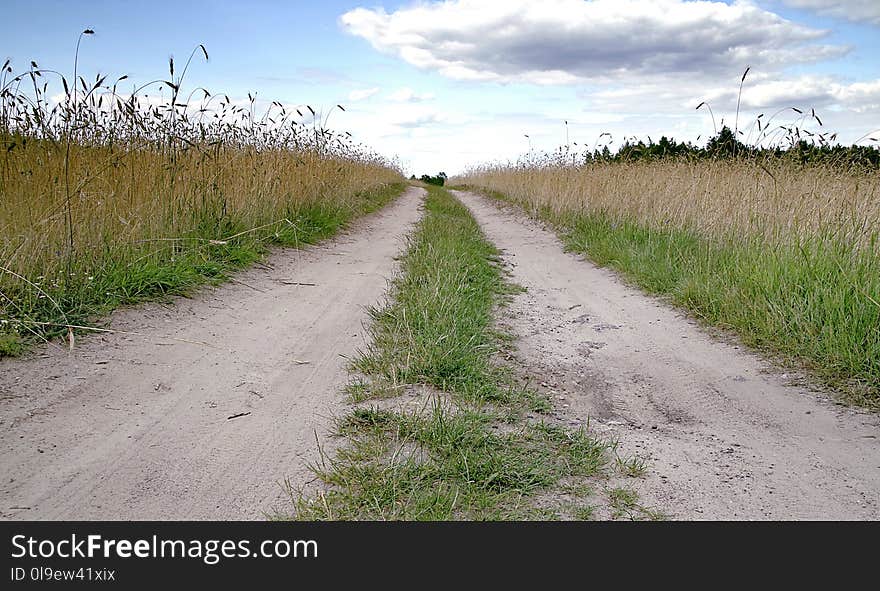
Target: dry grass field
[[109, 196], [786, 254]]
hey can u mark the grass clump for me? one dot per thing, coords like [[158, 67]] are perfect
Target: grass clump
[[472, 451], [624, 502], [11, 345]]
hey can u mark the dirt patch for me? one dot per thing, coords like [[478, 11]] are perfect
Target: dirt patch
[[146, 427], [726, 435]]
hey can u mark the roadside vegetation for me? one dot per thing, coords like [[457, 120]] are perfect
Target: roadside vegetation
[[780, 244], [111, 196], [439, 179], [439, 429]]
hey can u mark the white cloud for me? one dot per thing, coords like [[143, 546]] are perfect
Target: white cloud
[[565, 41], [851, 10], [418, 121], [804, 92], [860, 96], [408, 95], [362, 94]]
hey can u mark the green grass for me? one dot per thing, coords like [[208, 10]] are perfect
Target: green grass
[[11, 345], [438, 330], [814, 305], [479, 449], [445, 464], [624, 501], [168, 268]]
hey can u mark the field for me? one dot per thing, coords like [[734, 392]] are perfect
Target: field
[[110, 197], [784, 254]]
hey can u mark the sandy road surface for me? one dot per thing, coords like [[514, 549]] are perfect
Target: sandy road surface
[[126, 427], [727, 437]]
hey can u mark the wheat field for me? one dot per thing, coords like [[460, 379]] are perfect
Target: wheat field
[[108, 196], [784, 254]]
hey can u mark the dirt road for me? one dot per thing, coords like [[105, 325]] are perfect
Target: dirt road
[[128, 427], [727, 436]]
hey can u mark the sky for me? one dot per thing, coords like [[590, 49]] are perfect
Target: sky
[[443, 86]]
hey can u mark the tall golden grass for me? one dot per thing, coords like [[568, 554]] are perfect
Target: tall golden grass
[[107, 197], [775, 201], [129, 197], [787, 255]]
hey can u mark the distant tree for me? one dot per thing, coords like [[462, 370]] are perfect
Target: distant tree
[[438, 180], [725, 144]]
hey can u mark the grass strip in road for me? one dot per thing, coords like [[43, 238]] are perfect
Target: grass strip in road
[[809, 304], [438, 330], [479, 447]]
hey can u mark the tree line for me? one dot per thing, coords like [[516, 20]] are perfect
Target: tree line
[[726, 145]]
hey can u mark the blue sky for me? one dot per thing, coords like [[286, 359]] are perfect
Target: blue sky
[[447, 85]]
